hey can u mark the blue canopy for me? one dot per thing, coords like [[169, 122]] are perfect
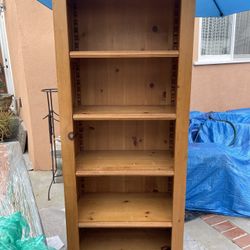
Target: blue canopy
[[47, 3], [217, 8]]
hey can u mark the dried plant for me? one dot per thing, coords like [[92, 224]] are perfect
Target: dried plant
[[1, 84], [5, 124]]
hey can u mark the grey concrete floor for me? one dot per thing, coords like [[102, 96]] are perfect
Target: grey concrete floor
[[52, 212], [198, 234]]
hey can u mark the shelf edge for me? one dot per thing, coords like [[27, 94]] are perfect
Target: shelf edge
[[122, 173], [165, 224], [124, 54]]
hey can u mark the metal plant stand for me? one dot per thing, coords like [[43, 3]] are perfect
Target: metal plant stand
[[52, 116]]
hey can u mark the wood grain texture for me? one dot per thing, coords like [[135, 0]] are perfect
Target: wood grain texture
[[160, 112], [125, 184], [182, 121], [127, 239], [125, 25], [125, 163], [124, 54], [66, 122], [125, 210], [125, 135], [126, 81]]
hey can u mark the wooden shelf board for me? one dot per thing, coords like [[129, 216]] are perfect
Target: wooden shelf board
[[125, 54], [160, 112], [127, 239], [125, 210], [125, 163]]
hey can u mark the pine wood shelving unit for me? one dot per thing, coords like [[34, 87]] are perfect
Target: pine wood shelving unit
[[124, 74]]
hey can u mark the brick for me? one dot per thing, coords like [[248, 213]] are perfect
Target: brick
[[234, 233], [204, 217], [215, 219], [224, 226], [243, 241]]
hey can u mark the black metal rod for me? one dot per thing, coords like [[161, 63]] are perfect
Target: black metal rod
[[52, 134]]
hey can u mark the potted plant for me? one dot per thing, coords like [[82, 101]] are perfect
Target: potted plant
[[5, 98], [9, 125]]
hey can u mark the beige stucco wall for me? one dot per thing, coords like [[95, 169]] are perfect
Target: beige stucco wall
[[31, 43], [219, 87]]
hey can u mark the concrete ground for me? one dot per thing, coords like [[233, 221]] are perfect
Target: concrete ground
[[207, 233]]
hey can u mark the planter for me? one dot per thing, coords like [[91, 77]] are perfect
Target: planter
[[5, 101], [9, 126], [14, 128]]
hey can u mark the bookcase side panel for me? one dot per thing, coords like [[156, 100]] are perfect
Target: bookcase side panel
[[182, 121], [66, 122]]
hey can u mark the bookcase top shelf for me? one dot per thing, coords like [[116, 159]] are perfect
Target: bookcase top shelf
[[161, 112], [125, 54]]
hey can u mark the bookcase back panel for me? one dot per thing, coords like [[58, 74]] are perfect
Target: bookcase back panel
[[121, 184], [124, 135], [126, 81], [123, 25], [132, 239]]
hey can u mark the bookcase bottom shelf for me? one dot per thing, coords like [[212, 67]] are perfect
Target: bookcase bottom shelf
[[125, 239], [125, 210]]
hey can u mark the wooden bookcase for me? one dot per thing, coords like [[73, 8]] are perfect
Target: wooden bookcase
[[124, 73]]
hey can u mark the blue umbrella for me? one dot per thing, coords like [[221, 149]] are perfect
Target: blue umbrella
[[217, 8], [47, 3], [206, 8]]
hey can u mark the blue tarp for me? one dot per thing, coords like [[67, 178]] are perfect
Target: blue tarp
[[218, 176]]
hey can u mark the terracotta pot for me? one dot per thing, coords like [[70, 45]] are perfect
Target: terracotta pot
[[5, 101]]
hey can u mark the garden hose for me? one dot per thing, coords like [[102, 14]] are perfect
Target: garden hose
[[218, 120]]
